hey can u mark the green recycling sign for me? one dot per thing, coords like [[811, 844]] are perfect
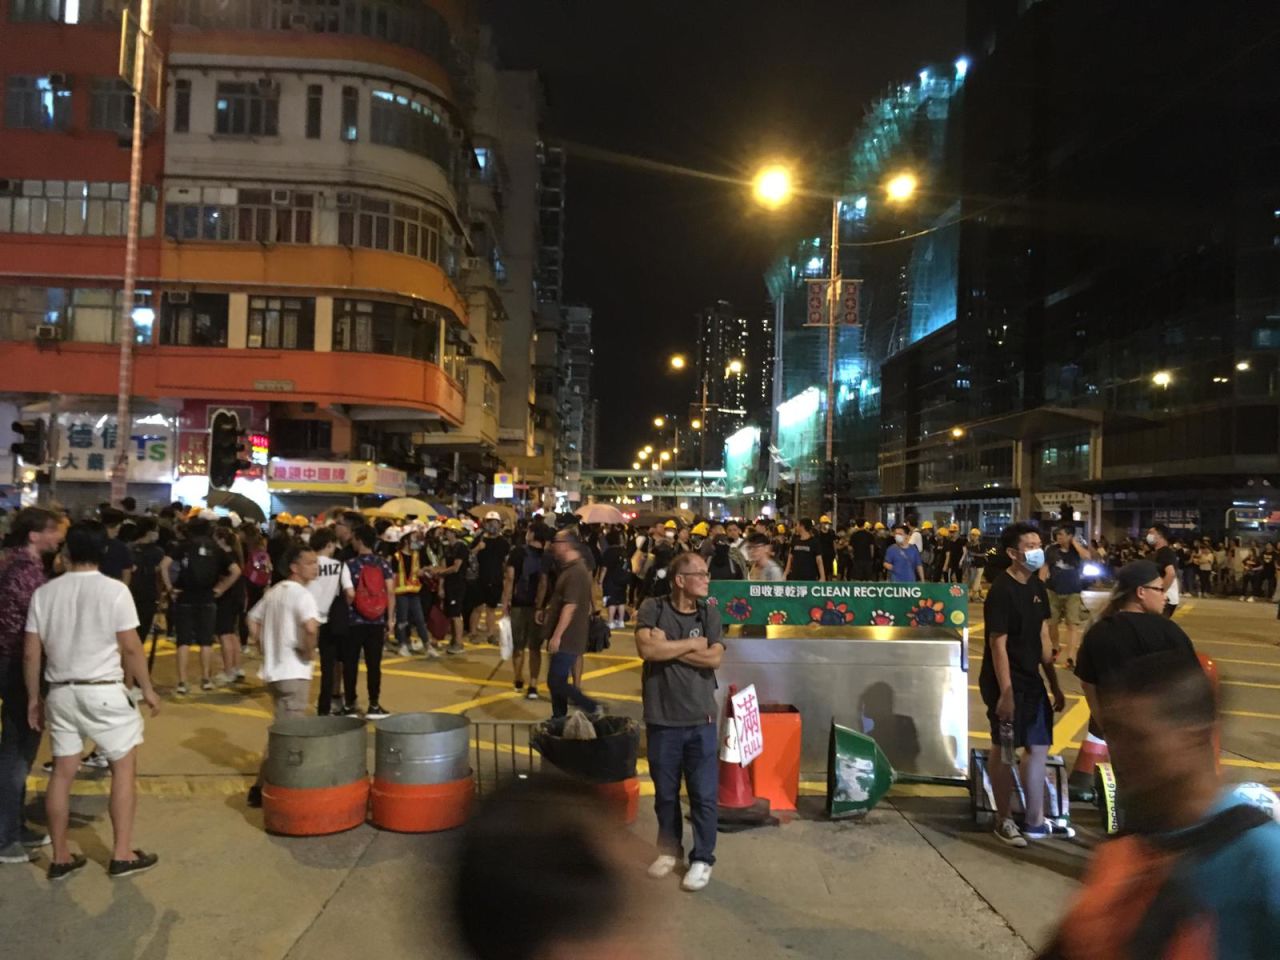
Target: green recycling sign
[[841, 604]]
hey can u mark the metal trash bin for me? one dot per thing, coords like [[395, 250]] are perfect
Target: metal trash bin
[[316, 777], [422, 778]]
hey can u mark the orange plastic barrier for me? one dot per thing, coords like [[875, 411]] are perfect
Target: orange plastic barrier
[[775, 774], [314, 812], [422, 808], [622, 798]]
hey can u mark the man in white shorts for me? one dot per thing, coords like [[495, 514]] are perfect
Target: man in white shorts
[[83, 625]]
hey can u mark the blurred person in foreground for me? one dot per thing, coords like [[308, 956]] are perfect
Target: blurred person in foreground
[[1197, 873], [546, 849]]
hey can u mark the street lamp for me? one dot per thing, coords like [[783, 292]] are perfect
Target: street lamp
[[664, 456], [773, 186], [648, 449], [635, 465], [1162, 378], [678, 361], [659, 422], [957, 432], [734, 368], [695, 423], [642, 455], [901, 187]]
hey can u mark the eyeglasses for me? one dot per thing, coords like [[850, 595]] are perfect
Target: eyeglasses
[[696, 573], [1160, 587]]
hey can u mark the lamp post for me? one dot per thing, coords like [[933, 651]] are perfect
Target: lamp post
[[774, 188]]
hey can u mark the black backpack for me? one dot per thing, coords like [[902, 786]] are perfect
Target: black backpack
[[201, 566]]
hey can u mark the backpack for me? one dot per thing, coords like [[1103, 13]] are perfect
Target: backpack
[[1138, 902], [371, 592], [259, 572], [525, 590], [200, 566], [598, 634]]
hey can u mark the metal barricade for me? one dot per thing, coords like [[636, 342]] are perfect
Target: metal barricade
[[502, 750]]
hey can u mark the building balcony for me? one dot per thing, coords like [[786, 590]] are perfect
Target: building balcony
[[396, 384]]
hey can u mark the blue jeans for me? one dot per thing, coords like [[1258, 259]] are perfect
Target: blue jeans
[[562, 691], [409, 614], [691, 752], [18, 746]]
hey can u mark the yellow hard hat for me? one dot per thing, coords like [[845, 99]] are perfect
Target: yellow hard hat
[[700, 529], [453, 523], [879, 525], [782, 528], [927, 525], [955, 526], [299, 520], [670, 525], [944, 532], [824, 519], [284, 519], [975, 532], [866, 524]]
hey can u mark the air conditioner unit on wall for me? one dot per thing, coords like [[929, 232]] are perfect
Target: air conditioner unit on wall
[[345, 199], [48, 331], [178, 296], [281, 198]]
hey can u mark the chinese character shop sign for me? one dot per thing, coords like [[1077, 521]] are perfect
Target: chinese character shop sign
[[746, 716], [841, 604], [90, 443], [342, 476]]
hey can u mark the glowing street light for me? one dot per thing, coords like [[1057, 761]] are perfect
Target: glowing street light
[[1243, 366], [635, 465], [678, 361], [734, 368], [648, 449], [957, 432], [642, 455], [901, 188], [773, 186], [695, 423], [659, 422], [664, 456], [1162, 378]]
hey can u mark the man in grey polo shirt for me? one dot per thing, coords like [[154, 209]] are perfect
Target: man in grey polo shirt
[[679, 638]]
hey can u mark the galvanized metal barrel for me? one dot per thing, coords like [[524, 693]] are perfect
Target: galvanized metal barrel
[[306, 753], [422, 748]]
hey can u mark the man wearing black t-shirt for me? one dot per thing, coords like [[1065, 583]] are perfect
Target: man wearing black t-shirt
[[454, 575], [805, 561], [862, 543], [1017, 651], [491, 552], [1167, 562]]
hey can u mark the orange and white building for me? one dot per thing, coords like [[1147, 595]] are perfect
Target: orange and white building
[[305, 247]]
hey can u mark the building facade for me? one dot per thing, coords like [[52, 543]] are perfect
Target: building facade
[[725, 368], [324, 232]]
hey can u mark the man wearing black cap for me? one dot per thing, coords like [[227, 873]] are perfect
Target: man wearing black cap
[[1132, 625]]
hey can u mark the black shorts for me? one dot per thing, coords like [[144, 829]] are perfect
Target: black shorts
[[491, 593], [227, 618], [452, 605], [194, 624]]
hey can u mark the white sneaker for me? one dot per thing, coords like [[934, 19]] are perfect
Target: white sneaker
[[404, 650], [415, 646], [432, 652], [698, 876], [663, 866], [1007, 831]]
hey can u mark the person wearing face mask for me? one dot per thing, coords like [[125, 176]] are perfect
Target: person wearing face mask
[[1167, 561], [902, 559], [1017, 652]]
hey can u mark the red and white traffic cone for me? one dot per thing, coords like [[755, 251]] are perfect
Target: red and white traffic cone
[[1080, 785], [735, 798]]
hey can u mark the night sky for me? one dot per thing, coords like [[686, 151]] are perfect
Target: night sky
[[715, 86]]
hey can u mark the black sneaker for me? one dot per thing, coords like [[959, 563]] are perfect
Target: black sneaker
[[254, 798], [350, 710], [375, 712], [60, 871], [519, 684], [141, 863], [533, 692]]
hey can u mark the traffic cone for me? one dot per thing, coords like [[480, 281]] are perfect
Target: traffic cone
[[1093, 751], [737, 802]]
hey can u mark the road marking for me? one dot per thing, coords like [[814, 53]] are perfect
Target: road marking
[[1249, 683], [1251, 764], [1250, 713], [449, 678], [1264, 644], [1249, 663], [1070, 725], [228, 708], [630, 664]]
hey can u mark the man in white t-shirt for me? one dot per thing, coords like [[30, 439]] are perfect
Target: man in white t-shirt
[[82, 625], [286, 625]]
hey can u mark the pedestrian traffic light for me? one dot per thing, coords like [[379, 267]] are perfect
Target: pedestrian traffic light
[[225, 449], [33, 448]]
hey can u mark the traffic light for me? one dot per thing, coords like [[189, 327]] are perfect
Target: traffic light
[[829, 477], [33, 448], [225, 449], [844, 482]]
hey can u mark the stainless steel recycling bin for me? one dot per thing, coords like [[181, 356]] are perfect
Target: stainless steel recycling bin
[[422, 748], [305, 753], [906, 688]]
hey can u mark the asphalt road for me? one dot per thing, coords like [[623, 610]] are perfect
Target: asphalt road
[[916, 879]]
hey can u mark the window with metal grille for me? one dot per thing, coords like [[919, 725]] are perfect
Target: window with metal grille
[[315, 108]]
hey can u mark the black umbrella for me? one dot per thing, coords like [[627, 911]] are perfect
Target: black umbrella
[[236, 503]]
